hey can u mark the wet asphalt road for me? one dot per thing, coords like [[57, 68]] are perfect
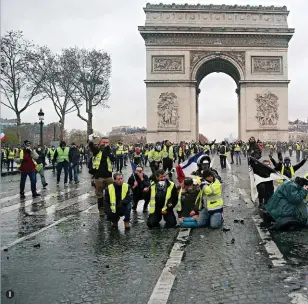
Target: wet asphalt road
[[83, 260]]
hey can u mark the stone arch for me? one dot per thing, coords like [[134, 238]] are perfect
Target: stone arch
[[226, 64]]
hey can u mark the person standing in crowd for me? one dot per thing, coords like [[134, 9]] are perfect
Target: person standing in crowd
[[181, 152], [137, 156], [254, 149], [237, 152], [27, 168], [155, 157], [101, 168], [40, 165], [3, 157], [168, 156], [223, 151], [298, 151], [74, 161], [62, 159], [140, 184], [118, 201], [50, 155], [119, 156], [10, 158], [164, 198], [232, 146]]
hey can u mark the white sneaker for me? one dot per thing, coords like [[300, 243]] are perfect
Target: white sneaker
[[65, 185]]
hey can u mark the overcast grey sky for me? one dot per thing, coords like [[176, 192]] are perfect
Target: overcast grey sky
[[112, 26]]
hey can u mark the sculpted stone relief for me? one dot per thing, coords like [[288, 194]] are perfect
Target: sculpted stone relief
[[266, 65], [168, 111], [223, 40], [168, 63], [267, 109], [196, 56]]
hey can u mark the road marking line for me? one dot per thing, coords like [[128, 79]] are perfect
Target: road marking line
[[274, 253], [29, 236], [29, 202], [60, 205], [9, 198], [165, 282], [270, 246]]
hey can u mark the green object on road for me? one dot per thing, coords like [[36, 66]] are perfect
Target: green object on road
[[288, 202]]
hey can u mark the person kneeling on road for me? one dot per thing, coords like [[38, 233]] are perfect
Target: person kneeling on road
[[189, 204], [140, 185], [287, 206], [211, 215], [118, 201], [164, 198]]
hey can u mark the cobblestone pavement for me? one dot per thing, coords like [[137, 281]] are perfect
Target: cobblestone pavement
[[62, 253]]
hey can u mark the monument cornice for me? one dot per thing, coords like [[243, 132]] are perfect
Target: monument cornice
[[213, 7], [198, 29], [216, 39]]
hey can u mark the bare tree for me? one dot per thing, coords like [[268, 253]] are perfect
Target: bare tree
[[58, 83], [16, 68], [92, 73]]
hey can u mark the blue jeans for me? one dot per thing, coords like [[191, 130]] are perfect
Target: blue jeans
[[65, 166], [212, 220], [23, 178], [115, 217], [238, 157], [75, 170]]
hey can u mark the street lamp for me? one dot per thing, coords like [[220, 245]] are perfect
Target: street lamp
[[41, 119]]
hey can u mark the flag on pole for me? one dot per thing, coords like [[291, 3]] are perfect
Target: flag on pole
[[188, 166], [260, 173], [2, 136]]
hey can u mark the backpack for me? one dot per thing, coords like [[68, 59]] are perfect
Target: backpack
[[222, 150]]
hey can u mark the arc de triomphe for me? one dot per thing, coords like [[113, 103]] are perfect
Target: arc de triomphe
[[185, 43]]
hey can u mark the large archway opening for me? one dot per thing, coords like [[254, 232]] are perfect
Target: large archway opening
[[218, 99]]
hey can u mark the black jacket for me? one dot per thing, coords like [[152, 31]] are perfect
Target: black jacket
[[74, 155], [141, 184], [102, 171], [287, 171]]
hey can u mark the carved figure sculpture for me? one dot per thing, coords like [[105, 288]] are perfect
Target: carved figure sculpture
[[167, 110], [267, 109]]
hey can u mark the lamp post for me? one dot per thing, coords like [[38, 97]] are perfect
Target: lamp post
[[41, 119]]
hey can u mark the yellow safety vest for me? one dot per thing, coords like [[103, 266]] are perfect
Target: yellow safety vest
[[120, 150], [298, 147], [153, 194], [4, 153], [180, 151], [168, 153], [146, 152], [237, 148], [125, 151], [155, 156], [52, 153], [96, 160], [207, 148], [11, 154], [213, 194], [62, 154], [198, 201], [112, 195], [280, 181]]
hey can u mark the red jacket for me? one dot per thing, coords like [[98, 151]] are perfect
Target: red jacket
[[27, 164]]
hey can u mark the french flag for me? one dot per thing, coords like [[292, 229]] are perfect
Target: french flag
[[2, 136], [188, 166]]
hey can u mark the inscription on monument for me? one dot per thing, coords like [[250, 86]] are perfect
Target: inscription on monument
[[267, 109], [267, 65], [173, 64], [168, 111]]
